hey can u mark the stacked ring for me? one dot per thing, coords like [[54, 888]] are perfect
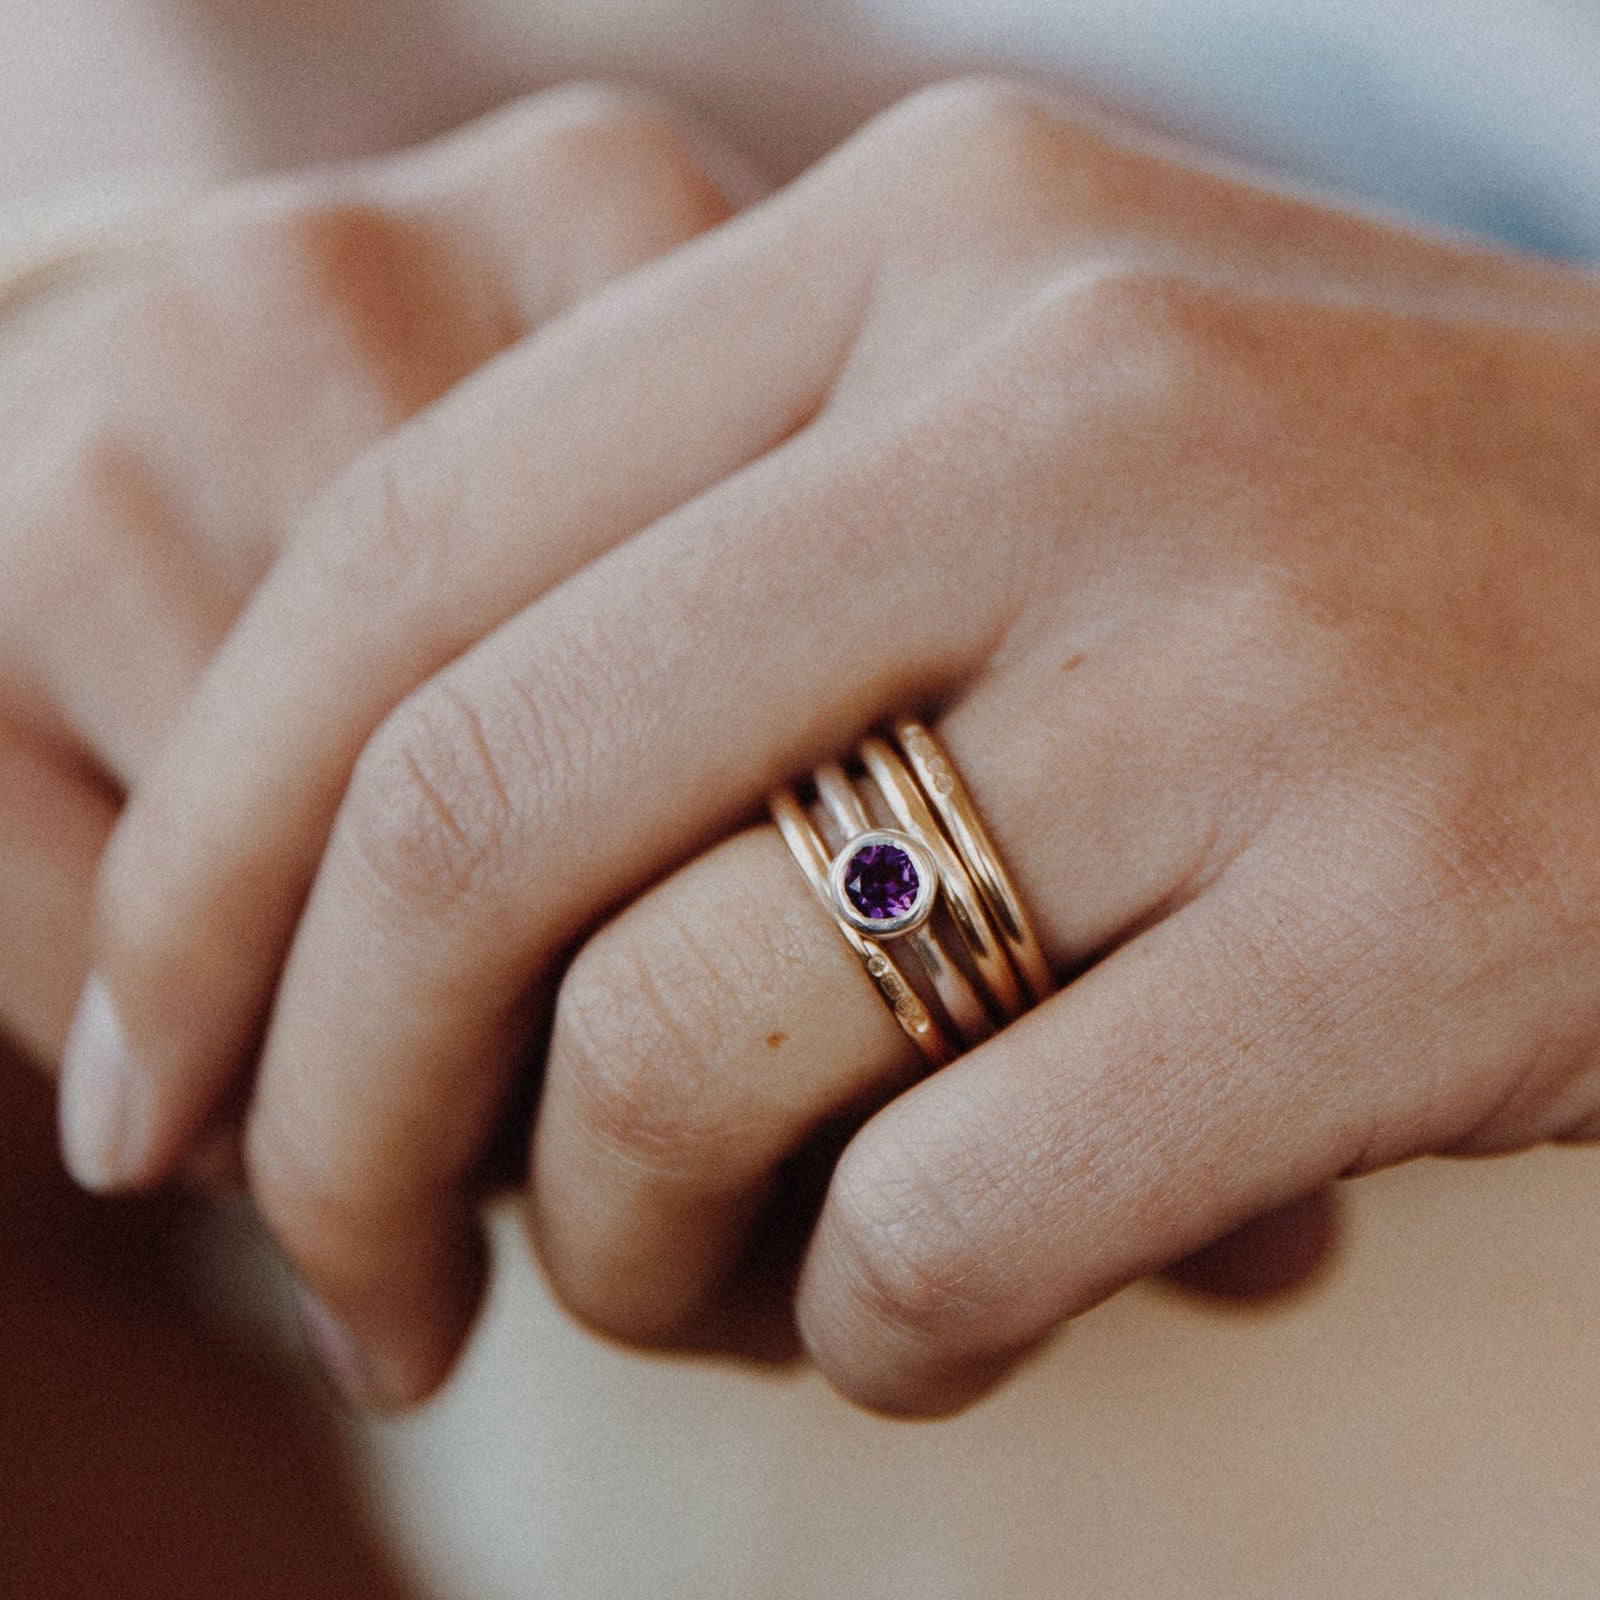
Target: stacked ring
[[950, 799], [872, 850], [921, 1026], [936, 865]]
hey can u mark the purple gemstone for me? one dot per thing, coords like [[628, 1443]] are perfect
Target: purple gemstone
[[882, 882]]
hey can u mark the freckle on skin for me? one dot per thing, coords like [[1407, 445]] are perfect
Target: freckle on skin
[[1073, 664], [776, 1041]]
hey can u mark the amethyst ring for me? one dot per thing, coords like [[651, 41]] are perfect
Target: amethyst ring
[[887, 882], [891, 871], [884, 883], [920, 1023]]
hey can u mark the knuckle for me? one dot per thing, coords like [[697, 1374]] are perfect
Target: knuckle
[[979, 153], [591, 104], [1146, 343], [916, 1255], [256, 270], [1151, 336], [980, 107], [1477, 850], [591, 124], [633, 152], [1206, 361], [1270, 633], [636, 1047], [430, 817]]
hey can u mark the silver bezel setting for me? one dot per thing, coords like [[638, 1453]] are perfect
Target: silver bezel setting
[[927, 870]]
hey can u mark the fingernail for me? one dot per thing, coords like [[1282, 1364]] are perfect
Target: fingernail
[[359, 1377], [105, 1098]]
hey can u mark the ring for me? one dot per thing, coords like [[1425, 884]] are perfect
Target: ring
[[886, 883], [927, 866], [948, 796], [920, 1025], [967, 910]]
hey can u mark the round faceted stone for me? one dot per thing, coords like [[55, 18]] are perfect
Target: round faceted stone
[[882, 882]]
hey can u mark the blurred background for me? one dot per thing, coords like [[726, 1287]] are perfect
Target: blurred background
[[1419, 1421], [1418, 1417], [1478, 114]]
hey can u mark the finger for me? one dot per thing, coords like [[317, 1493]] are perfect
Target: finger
[[629, 407], [673, 380], [574, 440], [571, 758], [540, 764], [1282, 1030], [696, 1048], [691, 1055], [54, 821], [487, 825], [107, 610], [580, 751], [326, 309]]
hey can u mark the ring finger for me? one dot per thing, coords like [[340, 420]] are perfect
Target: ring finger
[[719, 1022]]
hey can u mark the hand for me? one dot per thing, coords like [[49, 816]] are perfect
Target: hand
[[1246, 551], [171, 404]]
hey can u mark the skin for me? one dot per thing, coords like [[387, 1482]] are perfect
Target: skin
[[170, 410], [1241, 551]]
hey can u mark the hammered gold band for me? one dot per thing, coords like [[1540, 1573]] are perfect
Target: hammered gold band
[[948, 796], [934, 873]]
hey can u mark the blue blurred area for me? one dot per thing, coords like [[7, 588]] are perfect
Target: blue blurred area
[[1478, 115], [1371, 125]]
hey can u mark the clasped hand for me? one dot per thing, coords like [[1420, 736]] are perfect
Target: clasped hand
[[445, 558]]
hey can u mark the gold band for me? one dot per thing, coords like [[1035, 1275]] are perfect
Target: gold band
[[919, 1023], [948, 796], [905, 800]]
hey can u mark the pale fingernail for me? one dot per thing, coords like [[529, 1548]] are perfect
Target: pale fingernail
[[358, 1376], [105, 1097]]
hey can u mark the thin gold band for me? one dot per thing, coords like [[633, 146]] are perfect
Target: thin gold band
[[905, 800], [919, 1023], [948, 796]]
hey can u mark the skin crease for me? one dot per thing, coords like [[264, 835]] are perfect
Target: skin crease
[[1245, 550]]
